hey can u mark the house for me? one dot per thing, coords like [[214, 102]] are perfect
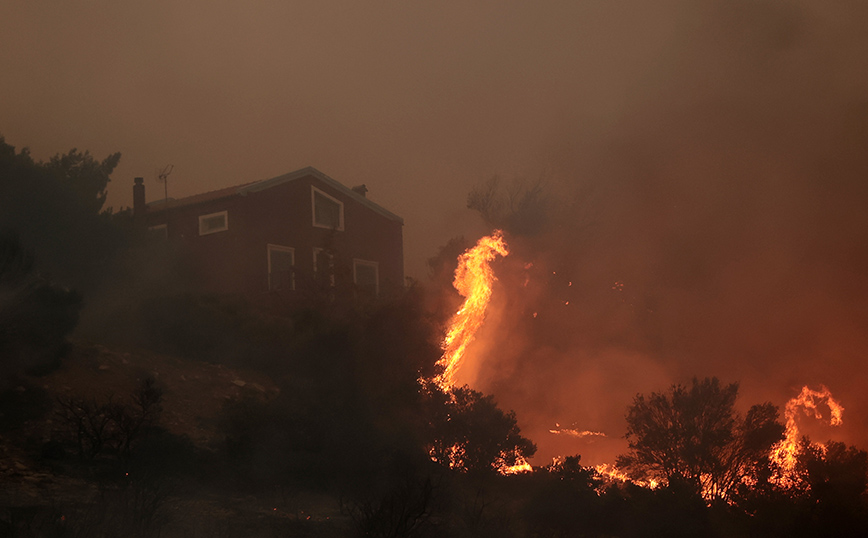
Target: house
[[296, 233]]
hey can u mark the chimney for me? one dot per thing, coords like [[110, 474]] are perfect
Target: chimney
[[360, 189], [139, 206]]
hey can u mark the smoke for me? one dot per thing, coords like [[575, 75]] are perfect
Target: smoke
[[708, 157], [718, 230]]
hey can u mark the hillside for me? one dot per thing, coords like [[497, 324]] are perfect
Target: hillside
[[43, 496]]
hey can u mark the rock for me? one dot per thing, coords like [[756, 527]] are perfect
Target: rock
[[239, 382], [103, 367]]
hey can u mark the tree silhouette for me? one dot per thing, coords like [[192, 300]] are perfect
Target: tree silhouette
[[522, 207], [692, 436], [35, 314], [470, 433], [57, 210]]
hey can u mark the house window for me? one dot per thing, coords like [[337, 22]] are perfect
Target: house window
[[160, 231], [324, 266], [213, 223], [281, 268], [366, 278], [328, 212]]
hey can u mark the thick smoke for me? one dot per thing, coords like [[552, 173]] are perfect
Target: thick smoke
[[719, 230]]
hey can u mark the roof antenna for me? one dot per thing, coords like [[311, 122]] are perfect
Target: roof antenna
[[163, 177]]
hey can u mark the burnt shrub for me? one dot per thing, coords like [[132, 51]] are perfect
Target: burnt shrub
[[401, 509], [93, 426]]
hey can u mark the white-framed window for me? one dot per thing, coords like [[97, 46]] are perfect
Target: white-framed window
[[366, 277], [213, 222], [328, 211], [324, 266], [281, 268], [160, 231]]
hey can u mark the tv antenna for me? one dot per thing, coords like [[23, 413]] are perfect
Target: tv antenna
[[163, 177]]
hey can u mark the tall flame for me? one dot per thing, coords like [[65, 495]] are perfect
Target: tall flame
[[786, 452], [473, 280]]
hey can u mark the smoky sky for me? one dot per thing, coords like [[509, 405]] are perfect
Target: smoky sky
[[708, 159], [418, 100], [719, 230]]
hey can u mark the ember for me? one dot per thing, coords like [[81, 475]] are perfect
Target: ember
[[558, 430]]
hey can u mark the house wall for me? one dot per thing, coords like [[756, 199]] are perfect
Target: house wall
[[235, 260]]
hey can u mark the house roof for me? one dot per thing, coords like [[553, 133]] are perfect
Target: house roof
[[256, 186]]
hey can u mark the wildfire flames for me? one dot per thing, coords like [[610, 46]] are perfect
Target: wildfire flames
[[558, 430], [521, 466], [473, 279], [785, 453]]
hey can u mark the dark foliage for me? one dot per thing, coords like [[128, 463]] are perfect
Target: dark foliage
[[213, 328], [835, 480], [400, 510], [35, 314], [57, 210], [345, 382], [468, 432], [564, 500], [693, 437]]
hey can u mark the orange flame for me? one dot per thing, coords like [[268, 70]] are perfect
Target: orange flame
[[611, 473], [521, 466], [558, 430], [786, 452], [473, 279]]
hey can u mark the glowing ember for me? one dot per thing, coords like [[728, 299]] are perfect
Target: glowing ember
[[521, 466], [613, 474], [558, 430], [473, 279], [785, 453]]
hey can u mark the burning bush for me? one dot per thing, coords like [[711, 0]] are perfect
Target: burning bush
[[470, 433], [92, 425], [694, 437]]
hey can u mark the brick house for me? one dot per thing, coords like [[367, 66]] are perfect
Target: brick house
[[281, 237]]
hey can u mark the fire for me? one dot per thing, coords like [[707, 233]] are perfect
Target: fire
[[473, 280], [613, 474], [785, 453], [558, 430], [521, 466]]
